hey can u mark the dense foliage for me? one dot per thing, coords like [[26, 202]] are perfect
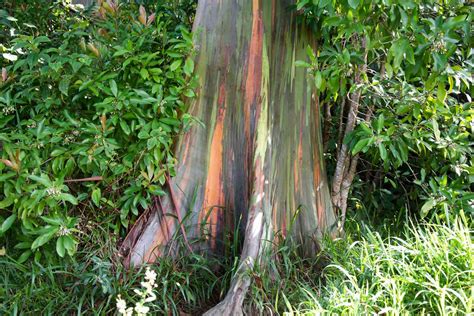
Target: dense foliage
[[409, 65], [89, 109], [89, 284]]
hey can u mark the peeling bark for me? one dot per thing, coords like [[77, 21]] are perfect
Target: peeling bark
[[259, 156]]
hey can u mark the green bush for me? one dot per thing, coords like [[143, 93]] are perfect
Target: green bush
[[88, 115], [411, 64]]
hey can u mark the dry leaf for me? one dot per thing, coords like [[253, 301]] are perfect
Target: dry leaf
[[4, 74], [142, 17], [151, 18], [103, 121], [93, 49]]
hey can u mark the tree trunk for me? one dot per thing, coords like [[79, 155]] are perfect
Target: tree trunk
[[259, 156], [346, 164]]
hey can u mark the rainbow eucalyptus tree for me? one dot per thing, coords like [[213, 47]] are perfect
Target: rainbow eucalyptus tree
[[258, 157]]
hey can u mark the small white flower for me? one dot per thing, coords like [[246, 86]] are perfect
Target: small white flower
[[53, 191], [137, 291], [141, 309], [64, 231], [121, 304], [8, 110], [150, 275]]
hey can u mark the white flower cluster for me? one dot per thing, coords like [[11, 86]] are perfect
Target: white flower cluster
[[64, 231], [53, 191], [69, 139], [8, 110], [146, 295]]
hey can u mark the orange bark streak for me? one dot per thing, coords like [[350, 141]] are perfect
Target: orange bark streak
[[214, 194], [254, 71]]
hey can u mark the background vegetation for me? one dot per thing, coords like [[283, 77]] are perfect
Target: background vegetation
[[395, 81], [92, 100], [90, 107]]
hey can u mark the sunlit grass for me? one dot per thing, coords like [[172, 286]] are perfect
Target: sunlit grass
[[428, 270], [424, 270]]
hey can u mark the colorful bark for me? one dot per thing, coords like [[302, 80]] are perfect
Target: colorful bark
[[259, 155]]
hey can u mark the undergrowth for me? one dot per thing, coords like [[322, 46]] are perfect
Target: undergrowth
[[424, 269], [91, 282]]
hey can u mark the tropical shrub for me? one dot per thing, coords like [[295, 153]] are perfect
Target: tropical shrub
[[404, 70], [88, 116]]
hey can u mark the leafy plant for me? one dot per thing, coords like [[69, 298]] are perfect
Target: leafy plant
[[395, 82], [88, 116]]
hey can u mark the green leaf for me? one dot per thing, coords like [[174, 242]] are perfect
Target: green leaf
[[188, 66], [354, 3], [301, 4], [318, 79], [383, 151], [69, 244], [60, 247], [24, 256], [144, 73], [143, 135], [170, 121], [42, 180], [441, 92], [436, 129], [409, 54], [57, 152], [152, 142], [113, 87], [68, 198], [332, 21], [64, 86], [360, 145], [379, 123], [403, 150], [175, 65], [7, 202], [23, 245], [124, 126], [96, 195], [300, 63], [189, 93], [43, 239], [427, 207], [52, 221], [8, 223]]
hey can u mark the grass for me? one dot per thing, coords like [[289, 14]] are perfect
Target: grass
[[425, 269], [90, 284]]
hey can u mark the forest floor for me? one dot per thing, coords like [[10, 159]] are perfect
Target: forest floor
[[422, 269]]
